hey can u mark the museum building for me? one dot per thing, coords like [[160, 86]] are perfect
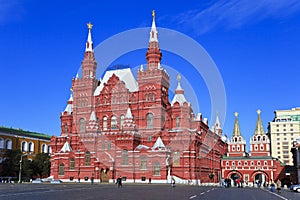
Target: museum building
[[120, 126]]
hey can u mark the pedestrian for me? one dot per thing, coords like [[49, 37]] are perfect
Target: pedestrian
[[173, 182], [119, 182], [278, 183], [238, 183]]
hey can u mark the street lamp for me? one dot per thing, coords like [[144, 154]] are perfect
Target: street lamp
[[20, 172]]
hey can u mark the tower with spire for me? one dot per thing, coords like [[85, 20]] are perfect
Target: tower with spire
[[83, 87], [110, 126], [237, 144], [259, 142], [154, 83]]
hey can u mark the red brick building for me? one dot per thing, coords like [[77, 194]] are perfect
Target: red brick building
[[120, 126], [257, 165]]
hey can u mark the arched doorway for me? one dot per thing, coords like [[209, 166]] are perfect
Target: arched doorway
[[260, 178], [104, 175], [234, 177]]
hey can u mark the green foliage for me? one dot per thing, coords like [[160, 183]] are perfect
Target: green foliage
[[11, 163], [10, 167], [41, 165]]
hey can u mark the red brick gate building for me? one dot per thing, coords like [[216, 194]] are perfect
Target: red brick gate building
[[257, 165], [120, 126]]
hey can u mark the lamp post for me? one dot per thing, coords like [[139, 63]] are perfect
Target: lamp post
[[20, 172]]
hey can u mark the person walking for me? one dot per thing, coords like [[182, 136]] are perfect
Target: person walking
[[119, 182], [278, 183]]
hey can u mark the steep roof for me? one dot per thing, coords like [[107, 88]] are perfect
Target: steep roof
[[20, 132], [124, 75], [179, 94], [236, 129], [66, 147], [158, 144], [259, 130]]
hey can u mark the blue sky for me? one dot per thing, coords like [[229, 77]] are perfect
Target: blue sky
[[255, 45]]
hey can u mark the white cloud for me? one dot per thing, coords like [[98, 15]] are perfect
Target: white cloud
[[235, 13], [10, 10]]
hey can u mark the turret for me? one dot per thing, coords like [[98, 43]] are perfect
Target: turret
[[237, 144], [259, 142]]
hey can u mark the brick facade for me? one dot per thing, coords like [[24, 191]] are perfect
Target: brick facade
[[118, 126]]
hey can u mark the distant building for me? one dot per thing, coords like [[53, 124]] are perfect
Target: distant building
[[30, 143], [296, 157], [283, 130], [120, 126], [255, 166]]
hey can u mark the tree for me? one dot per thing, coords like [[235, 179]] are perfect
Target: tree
[[10, 167], [41, 165]]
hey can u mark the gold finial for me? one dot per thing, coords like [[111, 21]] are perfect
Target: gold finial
[[236, 114], [178, 77], [153, 13], [258, 111], [89, 25]]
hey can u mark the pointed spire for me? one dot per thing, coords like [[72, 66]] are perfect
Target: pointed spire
[[93, 124], [153, 33], [128, 114], [236, 129], [179, 89], [89, 42], [93, 116], [69, 107], [259, 130], [217, 123], [153, 54], [179, 94]]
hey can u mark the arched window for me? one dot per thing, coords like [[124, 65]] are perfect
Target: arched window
[[72, 164], [8, 144], [66, 128], [87, 158], [108, 145], [146, 97], [104, 101], [49, 149], [104, 123], [177, 121], [61, 170], [156, 169], [31, 147], [24, 146], [43, 148], [122, 119], [261, 147], [143, 162], [1, 143], [124, 157], [176, 158], [113, 122], [150, 120], [81, 125]]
